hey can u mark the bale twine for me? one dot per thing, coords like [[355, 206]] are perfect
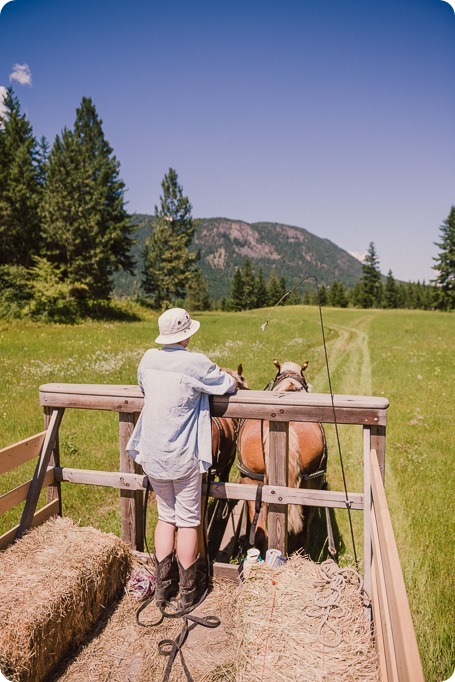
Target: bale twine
[[303, 622], [56, 581]]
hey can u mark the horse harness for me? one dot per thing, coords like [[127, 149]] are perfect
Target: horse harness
[[289, 374], [321, 470]]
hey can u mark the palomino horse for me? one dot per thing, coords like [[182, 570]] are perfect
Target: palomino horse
[[307, 457]]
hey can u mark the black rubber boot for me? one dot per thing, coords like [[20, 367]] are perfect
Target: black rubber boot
[[188, 585], [167, 579]]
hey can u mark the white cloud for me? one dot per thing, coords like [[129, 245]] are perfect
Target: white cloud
[[2, 97], [360, 255], [3, 3], [22, 74]]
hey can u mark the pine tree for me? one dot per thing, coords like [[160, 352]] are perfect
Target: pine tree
[[391, 292], [169, 265], [337, 296], [276, 288], [323, 297], [307, 297], [86, 228], [445, 265], [20, 190], [237, 300], [42, 158], [249, 285], [293, 298], [197, 293], [370, 294], [261, 290]]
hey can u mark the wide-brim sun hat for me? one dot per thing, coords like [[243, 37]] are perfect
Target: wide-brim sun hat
[[176, 325]]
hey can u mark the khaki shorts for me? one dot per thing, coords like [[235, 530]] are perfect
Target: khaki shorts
[[179, 502]]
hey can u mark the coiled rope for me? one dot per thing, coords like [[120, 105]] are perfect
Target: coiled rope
[[327, 598]]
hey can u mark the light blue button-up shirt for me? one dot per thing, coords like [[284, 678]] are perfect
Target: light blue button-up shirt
[[174, 428]]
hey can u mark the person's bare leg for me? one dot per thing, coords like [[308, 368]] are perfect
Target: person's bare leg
[[187, 544], [164, 539]]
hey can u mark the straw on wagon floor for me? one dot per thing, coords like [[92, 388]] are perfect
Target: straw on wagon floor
[[273, 627], [121, 650], [56, 582], [303, 622]]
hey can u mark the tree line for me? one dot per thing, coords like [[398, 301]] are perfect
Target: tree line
[[64, 232], [250, 290]]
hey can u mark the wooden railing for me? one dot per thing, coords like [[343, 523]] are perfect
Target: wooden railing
[[394, 630], [394, 634], [12, 457]]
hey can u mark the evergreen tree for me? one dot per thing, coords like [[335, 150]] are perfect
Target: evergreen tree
[[411, 301], [293, 298], [402, 295], [307, 297], [391, 292], [355, 294], [370, 294], [249, 285], [428, 292], [43, 155], [261, 290], [323, 297], [86, 229], [197, 293], [337, 296], [237, 300], [445, 265], [276, 288], [169, 265], [20, 190]]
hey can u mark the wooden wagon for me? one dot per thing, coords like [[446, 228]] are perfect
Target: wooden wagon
[[393, 629]]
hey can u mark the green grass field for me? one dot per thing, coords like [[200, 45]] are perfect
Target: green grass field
[[406, 356]]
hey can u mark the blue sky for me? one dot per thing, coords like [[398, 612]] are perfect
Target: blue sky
[[333, 116]]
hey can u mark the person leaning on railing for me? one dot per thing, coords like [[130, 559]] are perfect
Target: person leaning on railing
[[172, 442]]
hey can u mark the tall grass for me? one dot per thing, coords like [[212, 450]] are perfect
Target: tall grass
[[405, 356]]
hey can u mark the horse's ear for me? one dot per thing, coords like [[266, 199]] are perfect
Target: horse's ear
[[277, 364], [304, 366], [240, 370]]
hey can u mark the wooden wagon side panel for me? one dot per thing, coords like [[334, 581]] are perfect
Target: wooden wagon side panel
[[14, 455], [390, 603], [39, 517]]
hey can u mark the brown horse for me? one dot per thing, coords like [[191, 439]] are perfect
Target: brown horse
[[224, 434], [224, 442], [307, 457]]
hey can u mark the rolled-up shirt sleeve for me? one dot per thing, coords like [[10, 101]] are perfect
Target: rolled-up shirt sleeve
[[218, 382]]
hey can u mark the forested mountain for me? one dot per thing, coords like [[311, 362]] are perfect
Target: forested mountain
[[224, 244]]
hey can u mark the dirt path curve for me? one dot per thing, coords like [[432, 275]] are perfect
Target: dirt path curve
[[349, 359]]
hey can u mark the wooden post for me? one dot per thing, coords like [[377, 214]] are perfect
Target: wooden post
[[367, 536], [378, 443], [40, 472], [131, 501], [54, 491], [278, 475]]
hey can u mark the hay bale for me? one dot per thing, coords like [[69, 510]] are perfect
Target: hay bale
[[56, 581], [292, 624]]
